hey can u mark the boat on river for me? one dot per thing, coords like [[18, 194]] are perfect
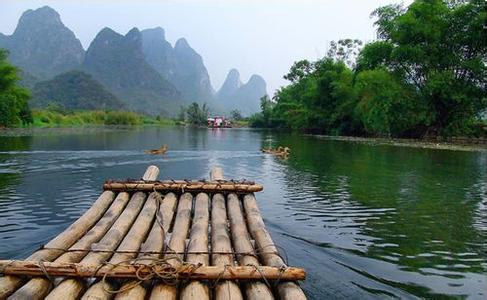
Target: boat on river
[[160, 239]]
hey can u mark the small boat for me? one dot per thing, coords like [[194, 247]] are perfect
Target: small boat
[[161, 150]]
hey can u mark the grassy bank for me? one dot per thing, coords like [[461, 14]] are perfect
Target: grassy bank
[[50, 118]]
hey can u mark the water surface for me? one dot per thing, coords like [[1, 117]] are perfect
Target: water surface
[[365, 221]]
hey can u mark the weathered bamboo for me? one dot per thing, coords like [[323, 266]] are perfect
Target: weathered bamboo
[[220, 242], [198, 242], [8, 284], [38, 287], [153, 243], [55, 269], [263, 240], [181, 185], [71, 288], [242, 244], [241, 240], [176, 244], [130, 245]]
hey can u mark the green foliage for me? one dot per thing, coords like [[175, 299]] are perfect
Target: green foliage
[[236, 115], [74, 90], [14, 108], [55, 118], [424, 76], [438, 48], [264, 118], [320, 96], [386, 106], [197, 115]]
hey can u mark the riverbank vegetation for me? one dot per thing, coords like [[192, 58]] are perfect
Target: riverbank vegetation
[[58, 118], [424, 76], [14, 107]]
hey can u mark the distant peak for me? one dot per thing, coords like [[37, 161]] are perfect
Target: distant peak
[[43, 14], [107, 32], [181, 44], [157, 33], [256, 78], [233, 73], [133, 31]]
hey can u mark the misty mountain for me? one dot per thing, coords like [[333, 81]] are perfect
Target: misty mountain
[[119, 63], [231, 84], [245, 97], [41, 44], [74, 90], [141, 68], [181, 65]]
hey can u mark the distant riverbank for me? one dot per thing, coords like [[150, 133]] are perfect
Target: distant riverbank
[[457, 144], [51, 118]]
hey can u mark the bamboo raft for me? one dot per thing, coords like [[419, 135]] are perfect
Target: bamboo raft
[[149, 239]]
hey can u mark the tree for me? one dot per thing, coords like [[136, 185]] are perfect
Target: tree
[[197, 115], [386, 106], [182, 114], [236, 115], [437, 47], [14, 108], [345, 50]]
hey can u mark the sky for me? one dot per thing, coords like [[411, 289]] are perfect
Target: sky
[[255, 37]]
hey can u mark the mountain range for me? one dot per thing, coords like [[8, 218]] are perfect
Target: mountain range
[[139, 71]]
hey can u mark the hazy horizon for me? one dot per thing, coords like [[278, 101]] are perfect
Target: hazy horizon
[[253, 37]]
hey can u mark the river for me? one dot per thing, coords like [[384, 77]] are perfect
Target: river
[[364, 220]]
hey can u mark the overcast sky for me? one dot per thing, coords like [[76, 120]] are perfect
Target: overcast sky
[[255, 37]]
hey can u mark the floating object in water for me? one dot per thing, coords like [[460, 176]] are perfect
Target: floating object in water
[[161, 150], [282, 152], [122, 240]]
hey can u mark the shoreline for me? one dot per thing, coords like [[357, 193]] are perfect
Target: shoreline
[[412, 143]]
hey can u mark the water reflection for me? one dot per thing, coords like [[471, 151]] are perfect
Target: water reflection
[[364, 220]]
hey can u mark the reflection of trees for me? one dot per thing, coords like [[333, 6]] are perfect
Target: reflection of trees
[[433, 221], [16, 143]]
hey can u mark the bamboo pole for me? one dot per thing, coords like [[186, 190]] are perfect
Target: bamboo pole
[[154, 243], [33, 268], [72, 288], [198, 242], [242, 244], [130, 245], [220, 242], [286, 290], [181, 185], [38, 287], [8, 284], [176, 244]]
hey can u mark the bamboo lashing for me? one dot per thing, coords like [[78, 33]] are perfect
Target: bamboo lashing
[[177, 244], [241, 243], [184, 271], [128, 247], [132, 290], [38, 287], [263, 240], [220, 242], [196, 290], [183, 186], [8, 284], [72, 288]]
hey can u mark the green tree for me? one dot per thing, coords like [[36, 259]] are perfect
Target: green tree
[[386, 106], [182, 114], [14, 108], [236, 115], [437, 47], [197, 115]]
